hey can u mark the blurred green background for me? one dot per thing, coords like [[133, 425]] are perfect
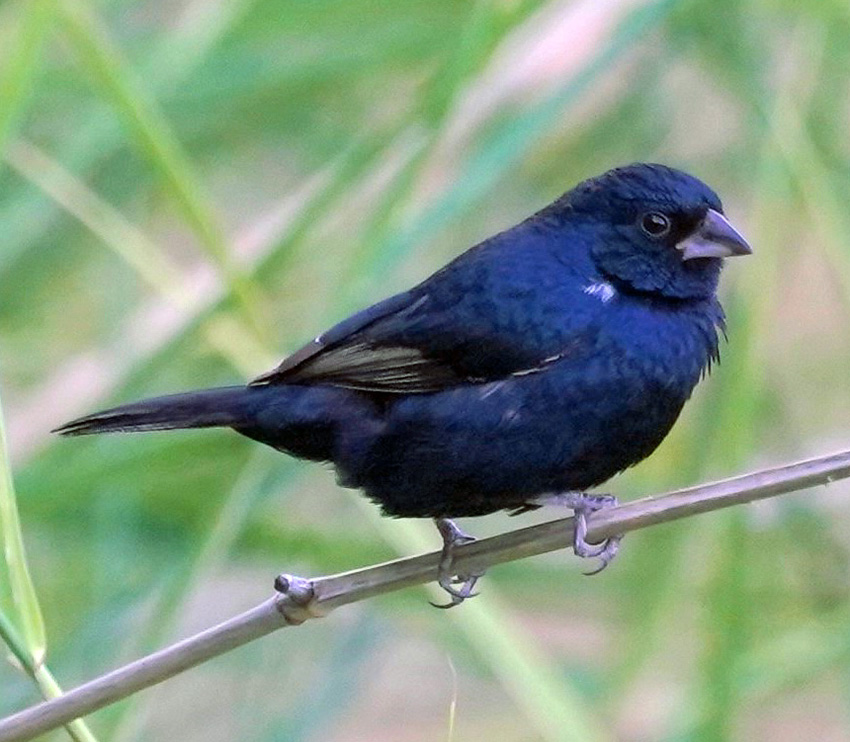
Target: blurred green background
[[190, 189]]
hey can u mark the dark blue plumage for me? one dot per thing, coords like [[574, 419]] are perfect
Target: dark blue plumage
[[543, 360]]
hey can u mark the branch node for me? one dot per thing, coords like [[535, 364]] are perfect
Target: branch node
[[296, 599]]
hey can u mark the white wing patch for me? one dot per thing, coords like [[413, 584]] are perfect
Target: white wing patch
[[602, 290]]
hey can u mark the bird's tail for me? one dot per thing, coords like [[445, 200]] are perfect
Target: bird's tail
[[208, 408], [305, 421]]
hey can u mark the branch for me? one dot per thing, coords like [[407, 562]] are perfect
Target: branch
[[301, 599]]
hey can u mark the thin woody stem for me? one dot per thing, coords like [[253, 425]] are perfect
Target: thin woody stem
[[300, 599]]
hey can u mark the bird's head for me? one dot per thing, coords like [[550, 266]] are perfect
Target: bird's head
[[657, 230]]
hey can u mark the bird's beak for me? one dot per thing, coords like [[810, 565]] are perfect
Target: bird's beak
[[714, 237]]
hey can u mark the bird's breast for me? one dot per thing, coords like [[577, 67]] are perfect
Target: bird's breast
[[671, 347]]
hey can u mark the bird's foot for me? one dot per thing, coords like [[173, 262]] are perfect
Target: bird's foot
[[452, 538], [582, 505]]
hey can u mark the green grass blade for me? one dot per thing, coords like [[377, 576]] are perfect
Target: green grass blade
[[173, 58], [21, 62], [27, 610], [24, 634], [151, 263], [15, 643], [78, 730], [106, 65]]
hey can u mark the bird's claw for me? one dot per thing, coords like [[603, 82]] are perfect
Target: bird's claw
[[606, 552], [582, 505], [452, 538], [467, 583]]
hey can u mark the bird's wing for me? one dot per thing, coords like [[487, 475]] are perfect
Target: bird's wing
[[360, 365], [350, 355], [503, 307], [405, 345]]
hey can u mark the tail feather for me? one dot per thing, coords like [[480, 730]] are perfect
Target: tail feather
[[305, 421], [208, 408]]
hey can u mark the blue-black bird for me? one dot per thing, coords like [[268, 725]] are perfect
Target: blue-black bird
[[534, 366]]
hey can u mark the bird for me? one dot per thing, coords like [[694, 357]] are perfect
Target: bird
[[530, 369]]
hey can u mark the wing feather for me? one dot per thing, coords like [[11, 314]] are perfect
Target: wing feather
[[358, 365], [346, 356], [471, 322]]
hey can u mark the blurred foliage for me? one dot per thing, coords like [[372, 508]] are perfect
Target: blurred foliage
[[191, 189]]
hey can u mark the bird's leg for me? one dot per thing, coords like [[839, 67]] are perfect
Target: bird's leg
[[582, 505], [452, 538]]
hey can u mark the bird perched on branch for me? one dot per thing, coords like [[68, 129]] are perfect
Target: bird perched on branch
[[536, 365]]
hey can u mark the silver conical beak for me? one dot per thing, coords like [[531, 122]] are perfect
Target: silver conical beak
[[714, 237]]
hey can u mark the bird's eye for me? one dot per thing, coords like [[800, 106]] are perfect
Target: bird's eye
[[655, 224]]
